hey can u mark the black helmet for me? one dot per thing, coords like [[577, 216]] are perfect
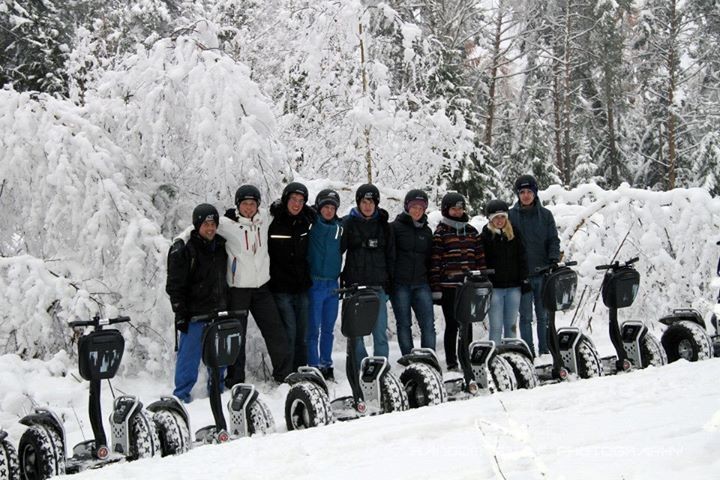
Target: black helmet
[[294, 187], [204, 212], [451, 199], [526, 181], [327, 197], [415, 195], [367, 190], [496, 206], [247, 192]]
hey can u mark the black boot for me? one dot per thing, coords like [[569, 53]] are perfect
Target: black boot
[[327, 373]]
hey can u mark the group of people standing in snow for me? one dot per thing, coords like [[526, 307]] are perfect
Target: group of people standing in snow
[[285, 271]]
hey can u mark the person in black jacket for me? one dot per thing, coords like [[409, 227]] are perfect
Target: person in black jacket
[[504, 253], [368, 240], [289, 267], [196, 285], [411, 287]]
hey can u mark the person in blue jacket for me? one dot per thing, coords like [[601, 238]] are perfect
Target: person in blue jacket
[[325, 263], [536, 225]]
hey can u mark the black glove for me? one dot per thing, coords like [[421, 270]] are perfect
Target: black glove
[[437, 298], [525, 287], [181, 322], [231, 213]]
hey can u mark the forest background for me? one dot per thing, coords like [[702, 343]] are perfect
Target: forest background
[[117, 117]]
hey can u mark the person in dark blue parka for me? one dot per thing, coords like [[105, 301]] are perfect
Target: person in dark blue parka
[[536, 225]]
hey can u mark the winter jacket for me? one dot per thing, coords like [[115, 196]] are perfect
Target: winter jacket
[[504, 253], [537, 229], [196, 276], [288, 247], [324, 249], [247, 246], [456, 248], [370, 249], [413, 245]]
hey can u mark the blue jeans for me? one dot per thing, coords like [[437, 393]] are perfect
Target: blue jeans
[[188, 360], [379, 334], [419, 297], [293, 309], [321, 322], [504, 307], [526, 315]]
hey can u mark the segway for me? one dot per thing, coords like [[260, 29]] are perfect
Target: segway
[[249, 415], [687, 337], [635, 346], [9, 469], [375, 389], [42, 446], [482, 366], [573, 353]]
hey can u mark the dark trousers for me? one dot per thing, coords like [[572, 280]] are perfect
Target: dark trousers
[[451, 339], [293, 308], [260, 303]]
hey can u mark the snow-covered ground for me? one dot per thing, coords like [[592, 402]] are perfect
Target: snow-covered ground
[[660, 423]]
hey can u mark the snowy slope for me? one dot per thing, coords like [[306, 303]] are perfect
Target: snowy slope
[[659, 423]]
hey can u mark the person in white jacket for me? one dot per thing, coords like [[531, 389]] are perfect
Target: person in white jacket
[[248, 274]]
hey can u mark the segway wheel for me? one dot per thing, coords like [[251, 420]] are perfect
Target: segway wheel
[[9, 466], [422, 385], [589, 364], [523, 369], [41, 453], [502, 374], [261, 420], [173, 432], [393, 397], [687, 340], [652, 352], [307, 406], [143, 437]]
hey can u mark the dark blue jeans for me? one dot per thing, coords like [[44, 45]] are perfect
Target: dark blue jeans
[[419, 298], [187, 362], [293, 308], [323, 313], [526, 315]]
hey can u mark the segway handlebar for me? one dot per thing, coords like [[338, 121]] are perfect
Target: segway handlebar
[[341, 292], [554, 266], [615, 265], [210, 317], [97, 321]]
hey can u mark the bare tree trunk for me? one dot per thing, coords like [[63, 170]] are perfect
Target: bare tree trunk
[[567, 123], [493, 78], [557, 102], [672, 161], [368, 154]]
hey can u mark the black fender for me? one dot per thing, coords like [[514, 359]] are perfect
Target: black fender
[[308, 374], [517, 348], [683, 314], [172, 404], [46, 418], [421, 355]]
